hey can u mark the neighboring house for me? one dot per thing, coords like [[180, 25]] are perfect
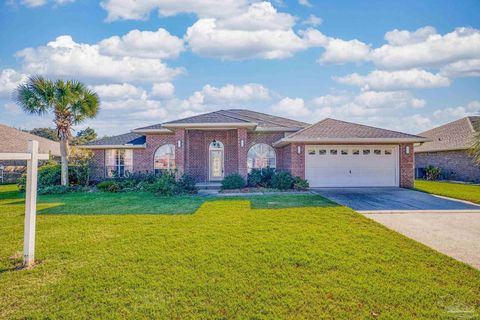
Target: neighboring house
[[449, 150], [16, 141], [209, 146]]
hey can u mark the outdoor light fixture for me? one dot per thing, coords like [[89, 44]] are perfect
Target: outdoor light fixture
[[407, 149], [179, 143], [242, 143], [299, 149]]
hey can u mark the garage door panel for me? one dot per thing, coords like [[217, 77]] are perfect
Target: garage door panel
[[377, 167]]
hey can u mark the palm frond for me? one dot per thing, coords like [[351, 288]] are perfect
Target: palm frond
[[35, 96]]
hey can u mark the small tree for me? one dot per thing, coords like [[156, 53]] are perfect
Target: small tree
[[48, 133], [70, 101]]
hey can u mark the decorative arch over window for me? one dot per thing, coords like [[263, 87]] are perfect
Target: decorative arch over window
[[216, 145], [164, 158], [261, 155]]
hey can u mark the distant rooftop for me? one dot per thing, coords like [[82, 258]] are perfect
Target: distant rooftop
[[14, 140], [455, 135]]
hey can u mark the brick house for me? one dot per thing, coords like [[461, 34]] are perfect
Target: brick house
[[209, 146], [448, 149]]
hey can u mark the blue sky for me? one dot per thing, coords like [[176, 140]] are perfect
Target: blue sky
[[404, 65]]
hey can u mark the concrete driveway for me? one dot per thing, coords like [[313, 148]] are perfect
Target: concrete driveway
[[446, 225], [454, 234], [391, 199]]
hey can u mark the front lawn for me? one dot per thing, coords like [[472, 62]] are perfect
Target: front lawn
[[448, 189], [225, 261]]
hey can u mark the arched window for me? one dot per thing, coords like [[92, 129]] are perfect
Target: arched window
[[164, 158], [261, 156]]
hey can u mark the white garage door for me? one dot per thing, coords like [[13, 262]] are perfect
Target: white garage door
[[351, 166]]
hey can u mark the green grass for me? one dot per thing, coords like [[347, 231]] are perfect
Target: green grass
[[225, 261], [149, 203], [448, 189]]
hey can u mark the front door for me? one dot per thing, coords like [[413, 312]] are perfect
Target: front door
[[216, 164]]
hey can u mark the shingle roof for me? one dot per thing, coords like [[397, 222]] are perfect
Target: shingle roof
[[331, 130], [127, 138], [235, 116], [14, 140], [456, 135]]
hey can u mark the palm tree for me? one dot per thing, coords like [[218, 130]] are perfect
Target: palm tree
[[70, 101]]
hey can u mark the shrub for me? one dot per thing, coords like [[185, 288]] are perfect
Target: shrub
[[50, 175], [110, 186], [233, 181], [54, 190], [282, 180], [186, 184], [432, 173], [164, 184], [261, 177], [300, 184]]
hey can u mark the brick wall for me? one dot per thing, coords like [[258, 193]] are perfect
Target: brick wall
[[180, 151], [143, 158], [456, 165], [197, 152], [242, 152], [292, 160], [407, 173]]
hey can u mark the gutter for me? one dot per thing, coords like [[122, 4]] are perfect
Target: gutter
[[286, 141], [113, 146]]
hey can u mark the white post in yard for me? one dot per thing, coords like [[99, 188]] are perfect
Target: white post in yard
[[32, 157], [30, 205]]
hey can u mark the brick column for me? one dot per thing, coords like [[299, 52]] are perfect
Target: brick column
[[407, 170], [242, 152], [297, 160], [180, 151]]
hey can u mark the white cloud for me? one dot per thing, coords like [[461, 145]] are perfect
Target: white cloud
[[162, 90], [305, 3], [158, 44], [313, 20], [330, 100], [260, 32], [140, 9], [119, 91], [424, 48], [65, 57], [12, 109], [39, 3], [232, 93], [9, 80], [395, 80], [453, 113], [403, 37], [462, 68], [337, 51], [387, 99], [258, 16], [365, 105], [291, 107]]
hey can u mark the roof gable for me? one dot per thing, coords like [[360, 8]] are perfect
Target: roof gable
[[332, 128], [232, 117], [455, 135]]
